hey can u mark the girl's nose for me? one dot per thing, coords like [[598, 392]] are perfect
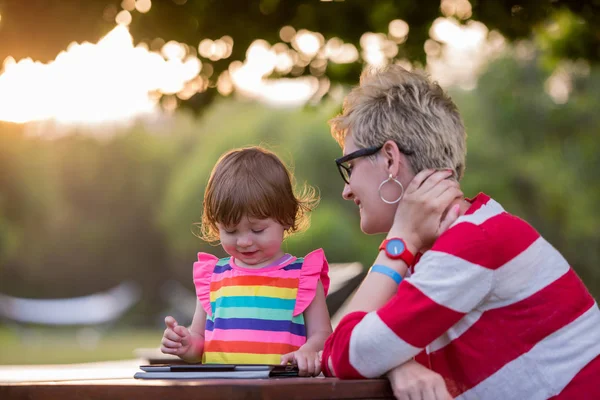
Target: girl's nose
[[244, 241]]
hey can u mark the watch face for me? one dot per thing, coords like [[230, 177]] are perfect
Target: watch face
[[395, 247]]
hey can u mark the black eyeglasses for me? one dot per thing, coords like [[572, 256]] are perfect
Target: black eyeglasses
[[346, 171]]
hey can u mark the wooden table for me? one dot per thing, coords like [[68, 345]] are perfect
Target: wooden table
[[104, 383]]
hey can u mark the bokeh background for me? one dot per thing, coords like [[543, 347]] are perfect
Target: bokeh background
[[112, 114]]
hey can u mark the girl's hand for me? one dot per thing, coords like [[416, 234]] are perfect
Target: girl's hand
[[309, 363], [420, 217], [177, 339], [413, 381]]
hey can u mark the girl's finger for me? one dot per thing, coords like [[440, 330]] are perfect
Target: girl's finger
[[168, 350], [302, 365], [310, 366], [170, 343], [172, 335], [186, 340], [170, 322], [287, 358], [181, 331]]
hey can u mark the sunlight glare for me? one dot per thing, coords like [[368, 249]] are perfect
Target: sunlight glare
[[250, 78], [457, 53], [123, 18], [339, 52], [109, 81], [143, 6], [398, 30], [377, 48], [173, 50], [287, 33], [461, 9], [308, 42], [128, 5]]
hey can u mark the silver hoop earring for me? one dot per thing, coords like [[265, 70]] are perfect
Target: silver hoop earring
[[390, 179]]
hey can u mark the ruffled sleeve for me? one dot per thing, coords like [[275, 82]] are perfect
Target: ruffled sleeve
[[203, 269], [315, 268]]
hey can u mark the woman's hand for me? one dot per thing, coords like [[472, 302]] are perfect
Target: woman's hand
[[309, 363], [177, 339], [415, 382], [422, 214]]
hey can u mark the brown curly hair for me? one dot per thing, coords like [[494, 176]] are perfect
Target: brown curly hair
[[254, 182]]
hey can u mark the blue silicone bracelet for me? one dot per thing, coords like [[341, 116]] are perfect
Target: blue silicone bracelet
[[382, 269]]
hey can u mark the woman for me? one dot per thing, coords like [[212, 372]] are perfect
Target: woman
[[463, 298]]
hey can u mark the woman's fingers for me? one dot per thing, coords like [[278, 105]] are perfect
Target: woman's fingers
[[434, 179], [317, 369], [441, 204], [441, 393], [445, 199], [330, 365], [449, 219], [428, 393], [440, 187], [418, 180]]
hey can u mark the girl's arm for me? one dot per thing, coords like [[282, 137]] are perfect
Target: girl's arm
[[317, 321], [318, 329]]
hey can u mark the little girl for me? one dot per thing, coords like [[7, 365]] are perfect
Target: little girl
[[261, 305]]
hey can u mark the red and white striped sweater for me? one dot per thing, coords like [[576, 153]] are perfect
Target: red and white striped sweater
[[492, 307]]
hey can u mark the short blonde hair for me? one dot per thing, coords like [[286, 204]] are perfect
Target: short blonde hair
[[253, 182], [409, 109]]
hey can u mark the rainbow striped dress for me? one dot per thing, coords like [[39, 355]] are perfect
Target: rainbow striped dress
[[256, 315]]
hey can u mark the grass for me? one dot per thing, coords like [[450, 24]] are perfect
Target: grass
[[64, 346]]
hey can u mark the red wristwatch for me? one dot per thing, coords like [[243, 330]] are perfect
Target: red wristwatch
[[396, 249]]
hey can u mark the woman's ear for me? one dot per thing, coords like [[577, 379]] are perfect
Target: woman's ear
[[393, 157]]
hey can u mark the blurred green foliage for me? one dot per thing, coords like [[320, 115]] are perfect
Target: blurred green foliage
[[79, 214]]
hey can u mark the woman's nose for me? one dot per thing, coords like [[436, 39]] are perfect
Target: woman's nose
[[347, 192]]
